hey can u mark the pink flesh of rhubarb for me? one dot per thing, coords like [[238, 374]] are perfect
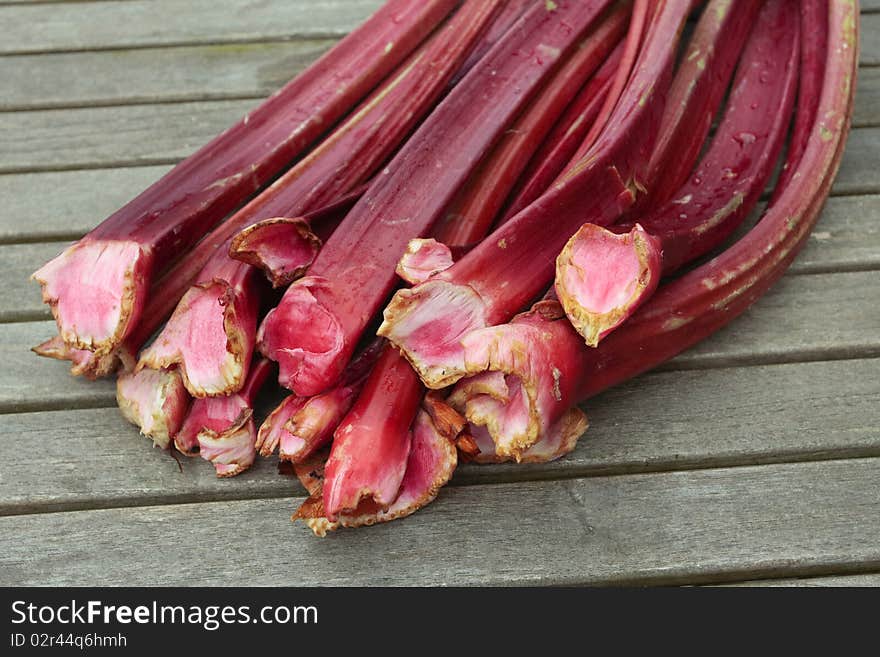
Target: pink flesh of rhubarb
[[154, 400], [356, 266], [601, 277], [224, 302], [429, 467], [601, 285], [565, 139], [508, 269], [368, 460], [223, 427], [284, 248], [424, 257], [526, 376], [561, 439], [212, 332], [84, 362], [97, 288], [272, 430]]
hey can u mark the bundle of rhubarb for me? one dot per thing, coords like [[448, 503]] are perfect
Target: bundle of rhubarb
[[463, 221]]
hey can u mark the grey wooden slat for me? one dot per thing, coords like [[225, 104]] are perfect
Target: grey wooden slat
[[155, 75], [695, 527], [872, 580], [147, 23], [21, 300], [65, 205], [870, 40], [30, 383], [718, 418], [112, 136], [860, 164], [800, 318], [847, 238], [816, 317], [867, 103]]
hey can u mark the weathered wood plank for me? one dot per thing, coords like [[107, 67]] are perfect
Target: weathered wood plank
[[64, 205], [155, 75], [148, 23], [696, 527], [782, 327], [21, 299], [112, 136], [801, 318], [847, 238], [684, 421], [31, 383], [861, 161], [830, 581]]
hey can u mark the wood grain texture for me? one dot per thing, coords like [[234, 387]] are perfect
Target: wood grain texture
[[781, 327], [149, 23], [872, 580], [65, 205], [31, 383], [801, 318], [156, 75], [21, 300], [700, 526], [684, 421]]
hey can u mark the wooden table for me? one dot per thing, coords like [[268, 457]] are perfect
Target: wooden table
[[755, 456]]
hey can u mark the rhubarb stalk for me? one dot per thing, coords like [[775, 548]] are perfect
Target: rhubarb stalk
[[602, 277], [212, 333], [313, 331], [98, 287], [511, 267]]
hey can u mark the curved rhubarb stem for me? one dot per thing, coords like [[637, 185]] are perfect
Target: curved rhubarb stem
[[692, 307], [222, 305], [313, 331], [221, 429], [429, 466], [501, 275], [700, 302], [602, 278], [98, 287], [499, 171]]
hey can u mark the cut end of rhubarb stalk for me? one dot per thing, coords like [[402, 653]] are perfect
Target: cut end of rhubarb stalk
[[560, 439], [312, 426], [273, 430], [423, 259], [283, 248], [96, 290], [432, 461], [523, 379], [154, 400], [231, 450], [210, 336], [602, 277], [427, 324], [320, 354], [83, 362]]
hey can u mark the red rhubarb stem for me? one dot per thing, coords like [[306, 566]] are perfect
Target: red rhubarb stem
[[515, 263], [601, 278], [224, 299], [313, 331], [98, 287]]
